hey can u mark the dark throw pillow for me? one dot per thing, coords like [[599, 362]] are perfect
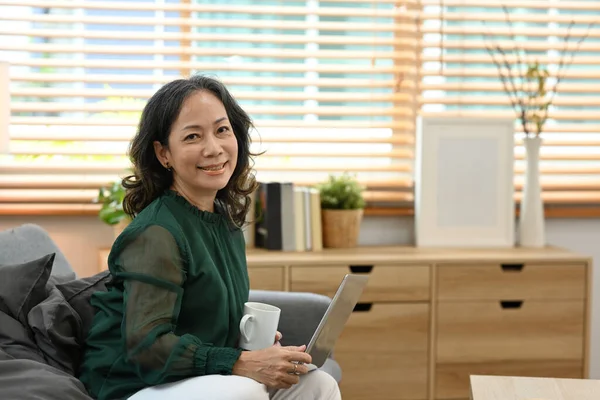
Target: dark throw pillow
[[78, 294], [23, 286]]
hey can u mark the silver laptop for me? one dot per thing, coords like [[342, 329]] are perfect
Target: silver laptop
[[335, 318]]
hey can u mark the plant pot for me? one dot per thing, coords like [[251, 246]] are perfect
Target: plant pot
[[341, 227], [531, 215], [120, 226]]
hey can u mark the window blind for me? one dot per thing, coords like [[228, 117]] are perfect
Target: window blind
[[331, 85], [459, 78]]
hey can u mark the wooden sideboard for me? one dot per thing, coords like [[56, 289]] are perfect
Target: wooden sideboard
[[430, 318]]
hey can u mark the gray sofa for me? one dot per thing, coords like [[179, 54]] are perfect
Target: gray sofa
[[45, 315]]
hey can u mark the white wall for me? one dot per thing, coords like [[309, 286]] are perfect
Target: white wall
[[80, 238]]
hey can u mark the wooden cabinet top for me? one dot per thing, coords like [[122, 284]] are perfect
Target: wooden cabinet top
[[370, 255]]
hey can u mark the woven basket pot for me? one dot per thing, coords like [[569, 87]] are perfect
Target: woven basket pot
[[341, 228]]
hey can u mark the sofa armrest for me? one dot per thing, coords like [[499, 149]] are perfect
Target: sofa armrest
[[300, 316], [300, 313], [29, 242]]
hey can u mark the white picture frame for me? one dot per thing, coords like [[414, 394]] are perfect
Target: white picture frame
[[464, 182]]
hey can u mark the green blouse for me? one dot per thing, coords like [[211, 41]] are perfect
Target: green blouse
[[174, 304]]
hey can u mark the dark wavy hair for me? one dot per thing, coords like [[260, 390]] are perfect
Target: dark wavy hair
[[150, 179]]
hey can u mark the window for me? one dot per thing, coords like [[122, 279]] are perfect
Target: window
[[460, 78], [331, 86]]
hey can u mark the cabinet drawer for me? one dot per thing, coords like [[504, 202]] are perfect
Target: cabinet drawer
[[266, 278], [383, 353], [539, 338], [511, 281], [386, 282]]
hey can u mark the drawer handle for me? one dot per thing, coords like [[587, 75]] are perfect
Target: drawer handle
[[511, 304], [361, 269], [512, 267], [363, 307]]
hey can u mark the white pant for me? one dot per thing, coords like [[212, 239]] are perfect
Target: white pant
[[316, 385]]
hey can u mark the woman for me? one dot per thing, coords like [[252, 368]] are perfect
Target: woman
[[168, 325]]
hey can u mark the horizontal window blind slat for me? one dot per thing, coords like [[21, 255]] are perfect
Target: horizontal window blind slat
[[215, 66], [91, 136], [399, 153], [214, 8], [121, 168], [536, 4], [485, 58], [263, 110], [51, 209], [86, 196], [283, 82], [478, 16], [474, 44], [214, 37], [208, 51], [75, 181], [256, 95], [564, 170], [466, 72], [558, 115], [567, 197], [503, 100], [212, 23], [405, 64], [565, 87], [541, 31], [65, 121]]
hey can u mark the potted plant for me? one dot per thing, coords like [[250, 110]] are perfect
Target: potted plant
[[111, 198], [342, 205]]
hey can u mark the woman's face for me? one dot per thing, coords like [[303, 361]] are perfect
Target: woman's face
[[202, 151]]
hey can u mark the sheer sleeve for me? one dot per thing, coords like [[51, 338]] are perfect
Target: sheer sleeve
[[151, 268]]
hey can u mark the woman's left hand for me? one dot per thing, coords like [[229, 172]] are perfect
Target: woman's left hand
[[278, 337]]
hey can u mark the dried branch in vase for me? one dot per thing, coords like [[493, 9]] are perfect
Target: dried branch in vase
[[526, 82]]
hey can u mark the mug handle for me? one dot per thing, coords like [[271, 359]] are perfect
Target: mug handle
[[243, 322]]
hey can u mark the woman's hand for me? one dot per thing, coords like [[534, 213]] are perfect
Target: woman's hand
[[274, 366], [278, 337]]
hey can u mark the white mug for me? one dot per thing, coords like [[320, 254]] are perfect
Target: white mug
[[258, 326]]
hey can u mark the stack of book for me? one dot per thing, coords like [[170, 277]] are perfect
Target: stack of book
[[284, 217]]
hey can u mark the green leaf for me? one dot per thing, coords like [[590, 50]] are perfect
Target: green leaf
[[111, 199], [341, 193]]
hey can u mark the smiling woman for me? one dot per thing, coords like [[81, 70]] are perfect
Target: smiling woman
[[179, 278], [193, 138], [201, 152]]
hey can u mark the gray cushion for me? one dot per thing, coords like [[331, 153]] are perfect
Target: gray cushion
[[29, 242], [300, 316], [56, 330], [300, 313], [22, 286], [31, 380], [332, 368], [16, 340], [78, 293]]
